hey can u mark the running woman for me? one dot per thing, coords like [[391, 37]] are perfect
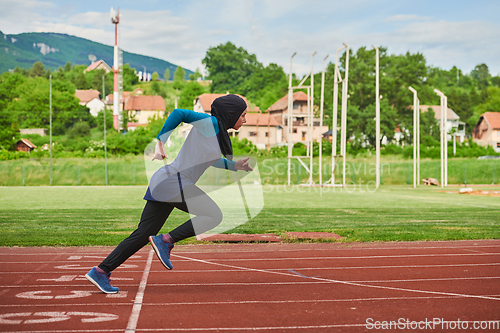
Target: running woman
[[173, 186]]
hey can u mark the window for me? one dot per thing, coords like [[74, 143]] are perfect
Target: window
[[267, 134], [294, 130], [498, 133], [295, 106], [498, 144], [138, 112], [253, 133], [303, 136]]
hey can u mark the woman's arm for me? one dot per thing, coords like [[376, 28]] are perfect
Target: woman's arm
[[202, 121], [242, 164], [225, 164]]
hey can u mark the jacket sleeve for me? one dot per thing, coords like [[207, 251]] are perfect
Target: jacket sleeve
[[225, 164], [206, 124]]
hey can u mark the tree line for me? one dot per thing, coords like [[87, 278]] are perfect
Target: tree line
[[233, 69], [24, 94]]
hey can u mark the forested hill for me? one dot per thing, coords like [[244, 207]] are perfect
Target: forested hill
[[55, 50]]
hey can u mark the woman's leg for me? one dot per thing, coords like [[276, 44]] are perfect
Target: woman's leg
[[196, 202], [153, 217]]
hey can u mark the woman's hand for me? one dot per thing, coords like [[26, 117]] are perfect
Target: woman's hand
[[243, 164], [160, 153]]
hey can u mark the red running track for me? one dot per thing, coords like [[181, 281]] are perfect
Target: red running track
[[322, 287]]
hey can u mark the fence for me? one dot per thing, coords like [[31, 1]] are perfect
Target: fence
[[131, 171]]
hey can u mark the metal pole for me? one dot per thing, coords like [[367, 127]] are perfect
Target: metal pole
[[50, 108], [321, 122], [335, 114], [344, 111], [418, 140], [440, 94], [105, 147], [445, 122], [289, 120], [415, 138], [310, 127], [377, 118], [337, 79], [442, 142]]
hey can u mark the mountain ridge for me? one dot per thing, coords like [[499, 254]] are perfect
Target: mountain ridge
[[54, 50]]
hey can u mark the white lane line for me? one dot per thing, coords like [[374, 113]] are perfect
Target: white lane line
[[270, 269], [122, 295], [372, 299], [297, 258], [136, 309], [344, 282], [358, 257], [247, 302]]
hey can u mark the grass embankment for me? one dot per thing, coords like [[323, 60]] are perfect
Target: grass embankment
[[83, 216]]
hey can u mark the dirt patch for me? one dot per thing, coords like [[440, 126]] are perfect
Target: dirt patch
[[488, 193]]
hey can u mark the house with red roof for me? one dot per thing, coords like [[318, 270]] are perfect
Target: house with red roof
[[142, 108], [487, 130], [300, 115], [125, 95], [203, 103], [453, 123], [262, 129], [25, 145], [99, 64], [92, 99]]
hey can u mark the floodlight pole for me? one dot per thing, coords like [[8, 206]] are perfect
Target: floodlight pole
[[444, 145], [310, 124], [105, 148], [416, 138], [321, 122], [115, 19], [50, 111], [377, 118], [344, 112], [289, 120], [337, 79]]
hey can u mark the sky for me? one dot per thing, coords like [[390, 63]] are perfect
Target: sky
[[460, 33]]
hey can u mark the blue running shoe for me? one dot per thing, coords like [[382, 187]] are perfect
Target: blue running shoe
[[101, 281], [162, 250]]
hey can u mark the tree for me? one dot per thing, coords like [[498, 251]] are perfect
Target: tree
[[166, 75], [429, 125], [155, 76], [179, 76], [38, 69], [189, 94], [67, 67], [482, 75], [129, 77], [228, 67], [194, 76], [155, 86], [9, 133], [265, 86]]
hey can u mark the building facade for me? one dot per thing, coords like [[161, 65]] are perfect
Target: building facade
[[300, 119], [487, 130]]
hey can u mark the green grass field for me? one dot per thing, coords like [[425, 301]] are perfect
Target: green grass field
[[98, 215]]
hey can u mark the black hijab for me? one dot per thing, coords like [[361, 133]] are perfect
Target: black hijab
[[227, 109]]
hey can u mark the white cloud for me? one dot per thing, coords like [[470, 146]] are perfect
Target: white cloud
[[272, 29], [402, 17]]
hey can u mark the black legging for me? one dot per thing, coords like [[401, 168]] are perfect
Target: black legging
[[192, 200]]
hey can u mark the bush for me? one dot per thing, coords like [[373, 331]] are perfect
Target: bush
[[79, 130], [6, 155]]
